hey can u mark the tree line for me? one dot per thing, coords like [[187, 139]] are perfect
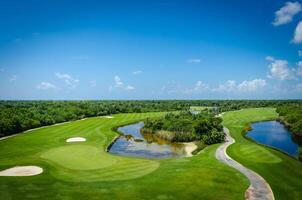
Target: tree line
[[18, 116], [291, 116]]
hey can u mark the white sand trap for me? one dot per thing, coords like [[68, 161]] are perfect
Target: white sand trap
[[76, 139], [189, 148], [22, 171], [109, 117]]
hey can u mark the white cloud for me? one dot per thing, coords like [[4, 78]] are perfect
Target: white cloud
[[253, 85], [137, 72], [119, 84], [228, 86], [285, 14], [92, 83], [45, 86], [280, 70], [298, 34], [200, 86], [129, 87], [13, 78], [269, 58], [244, 86], [299, 69], [177, 88], [69, 80], [193, 60]]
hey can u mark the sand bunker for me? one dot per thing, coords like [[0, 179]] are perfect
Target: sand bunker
[[189, 148], [109, 117], [22, 171], [76, 139]]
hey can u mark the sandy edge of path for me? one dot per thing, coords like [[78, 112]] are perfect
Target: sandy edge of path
[[259, 189], [22, 171]]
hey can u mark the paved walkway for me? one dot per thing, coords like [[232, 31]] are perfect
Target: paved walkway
[[259, 188]]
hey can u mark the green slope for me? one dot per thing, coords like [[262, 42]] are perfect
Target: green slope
[[283, 173], [86, 171]]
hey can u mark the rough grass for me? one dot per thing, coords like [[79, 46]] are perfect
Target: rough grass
[[86, 171], [283, 173]]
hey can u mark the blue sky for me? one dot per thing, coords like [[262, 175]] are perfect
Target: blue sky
[[208, 49]]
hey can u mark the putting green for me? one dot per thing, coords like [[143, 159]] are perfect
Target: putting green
[[79, 157]]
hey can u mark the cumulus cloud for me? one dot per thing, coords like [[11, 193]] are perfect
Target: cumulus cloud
[[280, 70], [92, 83], [200, 86], [193, 60], [137, 72], [244, 86], [285, 14], [228, 86], [13, 78], [119, 84], [298, 34], [69, 80], [252, 85], [45, 86]]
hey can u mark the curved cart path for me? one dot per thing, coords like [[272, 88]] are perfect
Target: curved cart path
[[259, 188]]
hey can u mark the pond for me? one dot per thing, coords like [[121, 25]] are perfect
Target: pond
[[275, 134], [135, 143]]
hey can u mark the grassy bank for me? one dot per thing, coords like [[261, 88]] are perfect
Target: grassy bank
[[283, 173], [86, 171]]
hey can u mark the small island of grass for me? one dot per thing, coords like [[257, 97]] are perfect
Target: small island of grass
[[204, 128]]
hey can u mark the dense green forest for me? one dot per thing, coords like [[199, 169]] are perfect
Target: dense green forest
[[18, 116], [291, 116], [187, 127]]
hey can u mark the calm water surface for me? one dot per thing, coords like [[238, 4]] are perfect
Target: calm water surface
[[273, 133], [135, 143]]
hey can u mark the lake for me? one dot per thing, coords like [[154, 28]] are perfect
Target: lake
[[135, 143], [275, 134]]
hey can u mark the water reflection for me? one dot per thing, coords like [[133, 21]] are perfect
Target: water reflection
[[273, 133], [135, 143]]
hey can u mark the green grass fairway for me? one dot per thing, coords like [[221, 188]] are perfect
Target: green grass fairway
[[283, 173], [85, 171]]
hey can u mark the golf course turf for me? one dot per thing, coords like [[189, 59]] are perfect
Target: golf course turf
[[283, 173], [86, 171]]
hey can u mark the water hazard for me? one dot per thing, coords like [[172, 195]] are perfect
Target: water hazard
[[275, 134], [135, 143]]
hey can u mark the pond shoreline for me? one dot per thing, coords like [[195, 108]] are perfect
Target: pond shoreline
[[188, 147], [246, 130]]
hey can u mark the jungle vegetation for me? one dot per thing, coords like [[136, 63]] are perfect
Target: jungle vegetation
[[18, 116], [186, 127]]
